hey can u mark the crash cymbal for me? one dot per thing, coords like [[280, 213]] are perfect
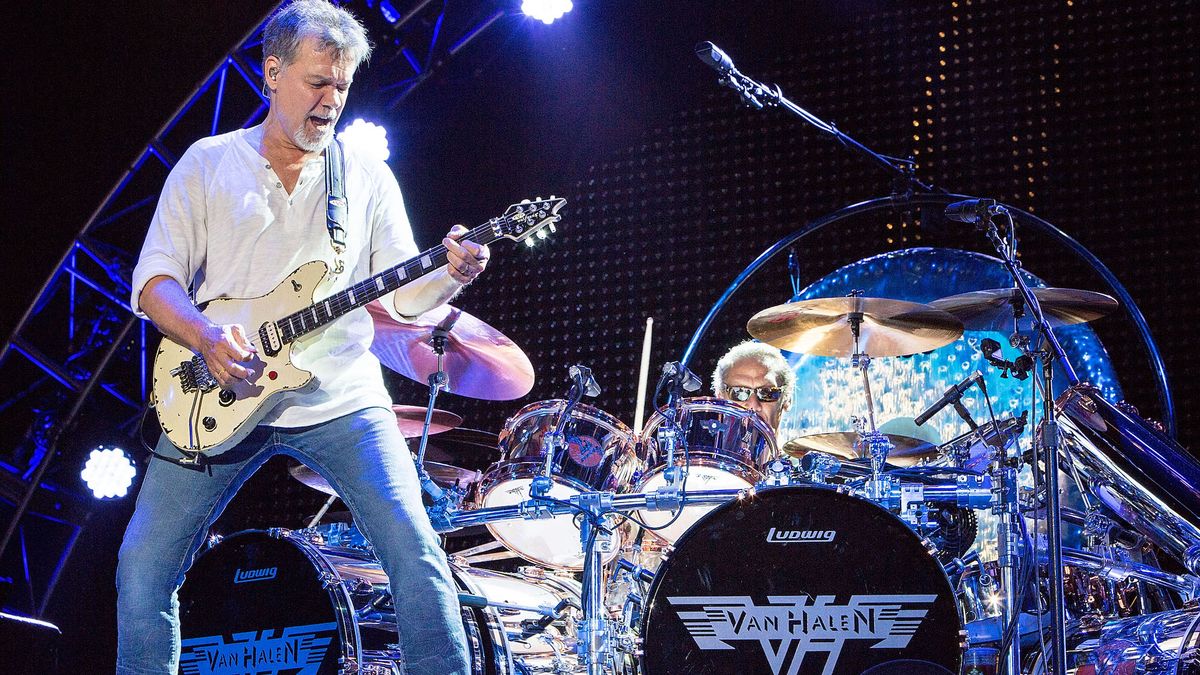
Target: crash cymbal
[[907, 451], [992, 309], [411, 420], [480, 361], [821, 326], [443, 474]]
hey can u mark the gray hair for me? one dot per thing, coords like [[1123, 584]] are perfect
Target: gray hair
[[779, 370], [334, 28]]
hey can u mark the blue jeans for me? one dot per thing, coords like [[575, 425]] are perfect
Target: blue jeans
[[365, 458]]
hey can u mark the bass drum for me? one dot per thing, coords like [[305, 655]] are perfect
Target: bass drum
[[276, 602], [801, 580]]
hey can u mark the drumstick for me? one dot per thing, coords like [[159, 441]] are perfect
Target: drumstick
[[639, 413]]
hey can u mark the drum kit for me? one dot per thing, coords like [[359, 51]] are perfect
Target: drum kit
[[704, 544]]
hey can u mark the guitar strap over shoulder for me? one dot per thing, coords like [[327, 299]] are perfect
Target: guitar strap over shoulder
[[335, 190]]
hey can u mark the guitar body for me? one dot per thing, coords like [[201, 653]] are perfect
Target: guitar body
[[213, 421], [201, 418]]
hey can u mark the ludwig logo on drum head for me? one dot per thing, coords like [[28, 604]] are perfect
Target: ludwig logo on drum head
[[800, 536], [241, 576]]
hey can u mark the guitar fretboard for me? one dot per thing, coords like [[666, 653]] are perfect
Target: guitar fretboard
[[323, 311]]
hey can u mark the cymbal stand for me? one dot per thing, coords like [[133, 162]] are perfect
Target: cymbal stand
[[1053, 352], [443, 500], [595, 530], [877, 445]]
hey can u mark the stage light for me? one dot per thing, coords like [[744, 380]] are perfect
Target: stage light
[[389, 12], [366, 136], [546, 11], [108, 472]]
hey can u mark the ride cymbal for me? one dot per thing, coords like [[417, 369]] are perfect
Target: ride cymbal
[[822, 326], [993, 309]]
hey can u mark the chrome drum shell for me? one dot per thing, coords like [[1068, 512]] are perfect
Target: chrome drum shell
[[1142, 475]]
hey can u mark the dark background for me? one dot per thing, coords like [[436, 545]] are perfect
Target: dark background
[[1081, 112]]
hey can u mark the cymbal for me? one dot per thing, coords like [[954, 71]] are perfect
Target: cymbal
[[469, 448], [821, 326], [411, 420], [445, 475], [907, 451], [480, 362], [992, 309]]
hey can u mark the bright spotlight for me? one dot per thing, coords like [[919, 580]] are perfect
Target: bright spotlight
[[368, 137], [546, 11], [108, 472]]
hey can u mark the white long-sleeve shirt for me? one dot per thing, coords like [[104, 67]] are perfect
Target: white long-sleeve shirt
[[226, 227]]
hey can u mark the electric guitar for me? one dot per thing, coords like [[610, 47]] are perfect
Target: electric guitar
[[202, 418]]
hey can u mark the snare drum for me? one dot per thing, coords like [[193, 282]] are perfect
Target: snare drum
[[801, 580], [599, 455], [727, 446]]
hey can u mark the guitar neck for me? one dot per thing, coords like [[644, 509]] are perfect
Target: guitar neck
[[319, 313]]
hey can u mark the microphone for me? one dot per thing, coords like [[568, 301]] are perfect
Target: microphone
[[675, 374], [582, 377], [972, 211], [714, 57], [951, 396]]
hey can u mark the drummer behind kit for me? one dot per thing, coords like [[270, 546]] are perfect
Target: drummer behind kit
[[703, 544]]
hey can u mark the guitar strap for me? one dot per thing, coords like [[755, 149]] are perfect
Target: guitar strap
[[335, 190]]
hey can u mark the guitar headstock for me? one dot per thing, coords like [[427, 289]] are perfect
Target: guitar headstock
[[530, 220]]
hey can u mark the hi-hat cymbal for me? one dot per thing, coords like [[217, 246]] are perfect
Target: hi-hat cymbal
[[480, 362], [906, 450], [445, 475], [821, 326], [469, 448], [411, 420], [992, 309]]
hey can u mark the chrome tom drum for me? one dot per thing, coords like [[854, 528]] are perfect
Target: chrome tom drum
[[727, 446], [599, 456]]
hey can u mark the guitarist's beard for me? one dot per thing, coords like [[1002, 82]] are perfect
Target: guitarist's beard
[[311, 139]]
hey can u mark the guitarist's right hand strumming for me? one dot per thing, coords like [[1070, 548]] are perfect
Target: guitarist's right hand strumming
[[224, 347]]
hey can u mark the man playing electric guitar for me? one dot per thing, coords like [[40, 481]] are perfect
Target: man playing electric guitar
[[238, 214]]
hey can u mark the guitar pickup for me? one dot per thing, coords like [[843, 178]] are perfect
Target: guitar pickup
[[194, 375], [268, 337]]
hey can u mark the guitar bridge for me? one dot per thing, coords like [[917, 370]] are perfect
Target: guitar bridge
[[194, 375]]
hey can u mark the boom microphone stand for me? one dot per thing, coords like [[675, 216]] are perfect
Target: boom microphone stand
[[1050, 352]]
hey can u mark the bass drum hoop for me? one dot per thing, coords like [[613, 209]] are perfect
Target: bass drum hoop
[[664, 571]]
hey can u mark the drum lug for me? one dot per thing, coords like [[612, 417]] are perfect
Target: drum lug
[[278, 532], [329, 580], [349, 665]]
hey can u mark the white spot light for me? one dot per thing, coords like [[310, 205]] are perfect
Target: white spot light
[[366, 136], [108, 472], [546, 11]]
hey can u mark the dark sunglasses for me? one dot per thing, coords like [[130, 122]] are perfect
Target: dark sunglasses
[[765, 394]]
